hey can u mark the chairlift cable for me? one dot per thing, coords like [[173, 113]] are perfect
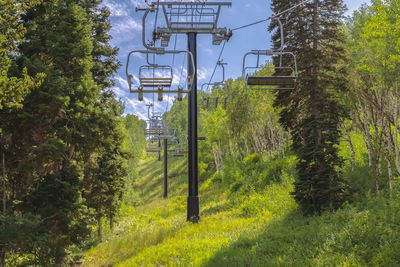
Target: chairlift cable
[[154, 56], [155, 21], [216, 64], [251, 24], [154, 60], [271, 17]]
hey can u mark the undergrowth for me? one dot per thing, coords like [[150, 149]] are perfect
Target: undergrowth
[[248, 218]]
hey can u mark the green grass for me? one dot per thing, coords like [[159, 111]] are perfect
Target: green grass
[[243, 225]]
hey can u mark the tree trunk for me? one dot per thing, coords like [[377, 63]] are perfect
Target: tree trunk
[[2, 257], [246, 146], [2, 248], [111, 223], [396, 145], [379, 139], [216, 158], [220, 157], [365, 126], [100, 229], [4, 184], [231, 150], [378, 169], [239, 148], [353, 153], [378, 166], [388, 142], [389, 167], [368, 141], [59, 255]]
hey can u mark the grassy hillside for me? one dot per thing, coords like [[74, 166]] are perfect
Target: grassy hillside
[[251, 221]]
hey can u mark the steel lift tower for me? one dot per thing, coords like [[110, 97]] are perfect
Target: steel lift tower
[[192, 18]]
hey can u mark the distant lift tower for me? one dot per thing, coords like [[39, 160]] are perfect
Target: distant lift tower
[[192, 18]]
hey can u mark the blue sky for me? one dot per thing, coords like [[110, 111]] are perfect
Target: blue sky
[[126, 34]]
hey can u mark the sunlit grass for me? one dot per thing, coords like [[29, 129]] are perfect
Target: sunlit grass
[[249, 226]]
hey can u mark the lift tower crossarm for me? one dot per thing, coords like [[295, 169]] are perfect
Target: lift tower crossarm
[[185, 17]]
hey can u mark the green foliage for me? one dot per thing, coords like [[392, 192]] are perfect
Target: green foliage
[[258, 172], [359, 235], [312, 112], [379, 51], [372, 44], [13, 87], [22, 235], [177, 118], [63, 213], [135, 131], [71, 156], [158, 226], [66, 154], [250, 227], [136, 142], [103, 54]]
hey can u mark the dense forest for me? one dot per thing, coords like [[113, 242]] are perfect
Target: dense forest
[[307, 176]]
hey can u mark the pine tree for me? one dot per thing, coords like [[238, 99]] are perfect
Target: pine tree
[[103, 189], [67, 139], [47, 135], [13, 86], [104, 55], [312, 111]]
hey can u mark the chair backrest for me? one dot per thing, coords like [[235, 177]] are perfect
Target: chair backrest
[[155, 76]]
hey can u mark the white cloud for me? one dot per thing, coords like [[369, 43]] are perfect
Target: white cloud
[[117, 9], [123, 81], [119, 92], [208, 50], [135, 106], [126, 25], [135, 3], [204, 74]]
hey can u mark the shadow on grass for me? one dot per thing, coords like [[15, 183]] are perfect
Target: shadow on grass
[[150, 181], [294, 240], [127, 246], [214, 209]]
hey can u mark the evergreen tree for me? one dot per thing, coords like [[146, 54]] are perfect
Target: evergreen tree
[[312, 111], [104, 55], [103, 189], [47, 135], [13, 87], [67, 140]]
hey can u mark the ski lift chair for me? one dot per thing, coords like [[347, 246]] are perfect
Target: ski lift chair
[[282, 81], [151, 148], [178, 152], [287, 74], [221, 64], [162, 78]]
